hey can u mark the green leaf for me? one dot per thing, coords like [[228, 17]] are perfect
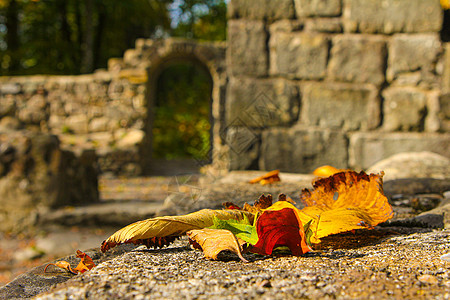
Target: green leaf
[[241, 229], [308, 232]]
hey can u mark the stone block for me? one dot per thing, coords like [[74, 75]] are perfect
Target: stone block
[[356, 58], [404, 108], [261, 9], [392, 16], [346, 106], [446, 75], [247, 50], [35, 110], [261, 102], [301, 150], [130, 138], [367, 148], [8, 106], [132, 58], [56, 124], [444, 112], [244, 145], [411, 53], [9, 123], [286, 26], [298, 55], [323, 8], [77, 123], [37, 176], [413, 165], [433, 121], [444, 103], [10, 88], [329, 25], [99, 124]]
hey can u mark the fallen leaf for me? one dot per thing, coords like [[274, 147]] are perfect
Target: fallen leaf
[[84, 265], [163, 230], [243, 229], [278, 226], [230, 205], [63, 265], [86, 262], [271, 177], [283, 197], [326, 171], [214, 241], [262, 203], [343, 202]]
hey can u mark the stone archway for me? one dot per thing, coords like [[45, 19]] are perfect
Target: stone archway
[[157, 55]]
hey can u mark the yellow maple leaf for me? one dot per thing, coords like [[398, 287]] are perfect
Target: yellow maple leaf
[[343, 202]]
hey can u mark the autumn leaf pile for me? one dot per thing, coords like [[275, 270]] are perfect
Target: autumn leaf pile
[[342, 202]]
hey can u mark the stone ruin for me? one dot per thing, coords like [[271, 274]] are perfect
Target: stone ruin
[[298, 84], [36, 175], [108, 111]]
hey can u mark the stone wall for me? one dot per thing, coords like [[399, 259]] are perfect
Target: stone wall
[[105, 110], [110, 110], [340, 82]]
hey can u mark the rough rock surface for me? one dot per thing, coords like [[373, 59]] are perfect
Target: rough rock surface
[[372, 16], [399, 261], [367, 148], [378, 264], [404, 109], [302, 149], [298, 55], [234, 187], [262, 103], [413, 165], [357, 59], [340, 113], [36, 175], [247, 47], [37, 281]]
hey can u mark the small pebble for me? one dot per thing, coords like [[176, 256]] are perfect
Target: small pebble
[[446, 257], [428, 279], [264, 284]]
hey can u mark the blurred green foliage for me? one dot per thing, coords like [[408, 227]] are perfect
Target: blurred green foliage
[[181, 126], [79, 36], [73, 36]]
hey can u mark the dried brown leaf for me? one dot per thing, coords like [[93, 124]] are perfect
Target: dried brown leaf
[[214, 241], [268, 178]]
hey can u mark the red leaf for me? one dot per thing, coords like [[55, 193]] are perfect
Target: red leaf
[[278, 228]]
